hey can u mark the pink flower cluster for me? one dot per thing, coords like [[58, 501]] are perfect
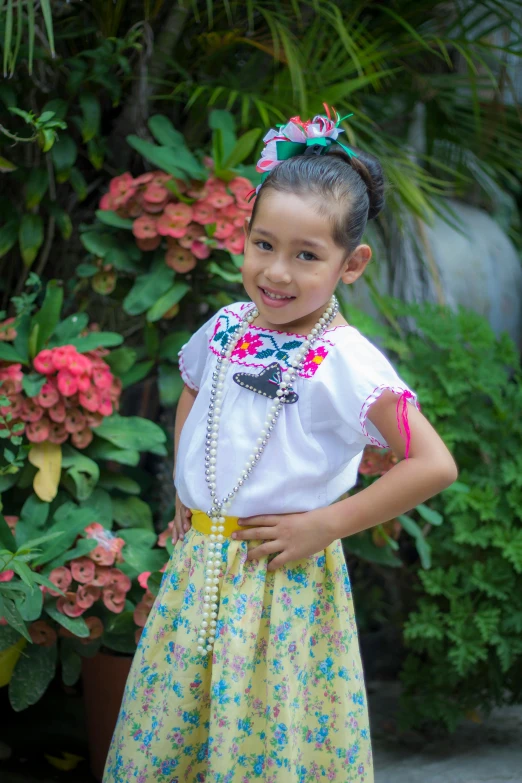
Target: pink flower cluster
[[142, 610], [93, 577], [79, 391], [158, 213]]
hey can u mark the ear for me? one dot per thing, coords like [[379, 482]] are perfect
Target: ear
[[354, 265]]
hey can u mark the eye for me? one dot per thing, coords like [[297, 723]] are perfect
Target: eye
[[262, 245], [308, 256]]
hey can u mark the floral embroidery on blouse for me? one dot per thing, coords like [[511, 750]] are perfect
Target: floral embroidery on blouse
[[264, 345]]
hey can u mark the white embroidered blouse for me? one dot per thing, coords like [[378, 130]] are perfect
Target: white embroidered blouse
[[314, 452]]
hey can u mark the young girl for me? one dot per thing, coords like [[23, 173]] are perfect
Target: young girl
[[248, 667]]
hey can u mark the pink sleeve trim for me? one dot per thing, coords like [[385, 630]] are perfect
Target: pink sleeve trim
[[184, 374], [402, 413]]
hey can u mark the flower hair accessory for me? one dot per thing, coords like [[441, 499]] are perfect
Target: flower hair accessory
[[301, 137]]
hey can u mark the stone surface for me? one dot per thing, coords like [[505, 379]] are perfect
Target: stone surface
[[489, 752]]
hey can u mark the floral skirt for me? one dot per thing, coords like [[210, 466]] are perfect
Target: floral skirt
[[280, 699]]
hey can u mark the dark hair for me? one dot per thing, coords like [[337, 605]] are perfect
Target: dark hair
[[356, 184]]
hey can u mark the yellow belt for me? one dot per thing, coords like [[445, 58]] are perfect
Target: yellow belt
[[202, 523]]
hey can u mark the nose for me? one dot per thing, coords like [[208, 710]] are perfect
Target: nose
[[278, 271]]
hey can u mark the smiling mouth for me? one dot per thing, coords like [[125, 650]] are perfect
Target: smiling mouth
[[275, 296]]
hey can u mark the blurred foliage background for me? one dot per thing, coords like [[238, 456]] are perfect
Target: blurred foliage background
[[434, 92]]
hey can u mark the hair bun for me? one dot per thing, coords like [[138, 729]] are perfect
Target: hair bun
[[370, 171]]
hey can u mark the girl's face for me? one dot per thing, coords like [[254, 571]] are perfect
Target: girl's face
[[290, 252]]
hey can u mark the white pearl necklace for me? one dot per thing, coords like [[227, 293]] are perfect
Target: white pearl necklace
[[214, 561]]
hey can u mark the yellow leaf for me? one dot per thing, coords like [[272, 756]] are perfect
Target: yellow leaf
[[9, 659], [48, 457], [68, 762]]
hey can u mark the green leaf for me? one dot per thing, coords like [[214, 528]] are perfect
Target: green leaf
[[31, 608], [138, 537], [99, 243], [179, 162], [7, 540], [123, 260], [244, 146], [8, 236], [8, 637], [423, 548], [6, 166], [132, 512], [33, 383], [81, 473], [86, 270], [168, 300], [224, 120], [96, 340], [62, 220], [119, 633], [170, 384], [31, 237], [58, 107], [138, 560], [110, 218], [130, 432], [23, 571], [9, 354], [10, 612], [90, 123], [75, 625], [68, 329], [172, 344], [69, 520], [48, 316], [120, 482], [136, 373], [430, 515], [32, 675], [121, 360], [71, 665], [230, 277], [103, 450], [78, 183], [35, 511], [64, 153], [154, 582], [361, 544], [82, 548], [100, 504], [164, 132], [36, 186], [148, 289]]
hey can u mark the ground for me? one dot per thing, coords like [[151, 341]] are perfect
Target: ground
[[490, 752]]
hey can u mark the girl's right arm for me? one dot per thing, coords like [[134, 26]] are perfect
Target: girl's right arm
[[183, 514]]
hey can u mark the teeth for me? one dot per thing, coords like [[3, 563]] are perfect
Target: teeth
[[275, 296]]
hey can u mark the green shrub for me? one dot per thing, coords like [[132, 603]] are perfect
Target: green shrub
[[464, 637]]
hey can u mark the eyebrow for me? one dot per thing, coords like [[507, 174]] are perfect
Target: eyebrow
[[304, 242]]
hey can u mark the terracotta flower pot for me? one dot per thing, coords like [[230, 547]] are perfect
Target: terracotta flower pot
[[104, 678]]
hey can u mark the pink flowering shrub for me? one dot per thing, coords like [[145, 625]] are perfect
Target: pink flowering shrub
[[209, 215], [78, 392], [93, 577]]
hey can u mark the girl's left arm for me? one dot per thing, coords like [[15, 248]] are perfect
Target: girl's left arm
[[429, 469]]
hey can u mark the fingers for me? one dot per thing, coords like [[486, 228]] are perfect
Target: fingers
[[277, 562], [182, 522], [261, 520], [263, 533], [263, 550]]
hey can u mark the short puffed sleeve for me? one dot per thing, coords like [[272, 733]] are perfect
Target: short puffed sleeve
[[194, 354], [357, 375]]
